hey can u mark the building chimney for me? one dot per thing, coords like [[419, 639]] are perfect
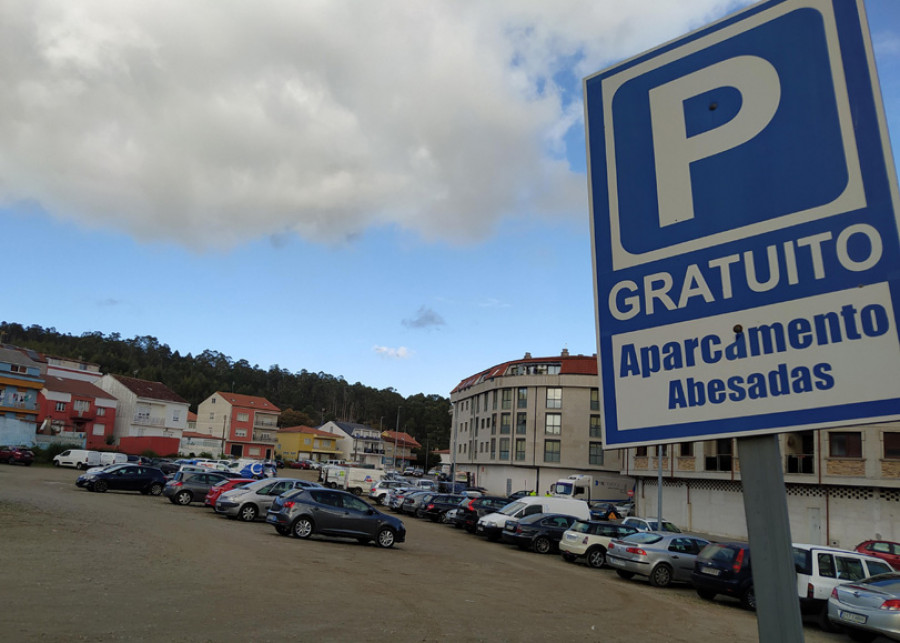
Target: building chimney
[[527, 356], [565, 352]]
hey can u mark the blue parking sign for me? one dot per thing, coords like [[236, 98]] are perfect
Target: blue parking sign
[[744, 229]]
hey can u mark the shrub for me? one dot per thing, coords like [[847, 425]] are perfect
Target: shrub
[[205, 454], [149, 453], [47, 454]]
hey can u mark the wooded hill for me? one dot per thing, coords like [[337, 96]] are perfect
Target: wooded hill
[[304, 397]]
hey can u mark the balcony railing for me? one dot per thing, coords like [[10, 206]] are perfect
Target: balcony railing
[[82, 414], [264, 436], [149, 420], [265, 423]]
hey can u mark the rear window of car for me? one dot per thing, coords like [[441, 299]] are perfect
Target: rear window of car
[[718, 553], [878, 568], [643, 538], [581, 527]]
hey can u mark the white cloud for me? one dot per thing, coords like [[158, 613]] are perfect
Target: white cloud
[[209, 123], [393, 353]]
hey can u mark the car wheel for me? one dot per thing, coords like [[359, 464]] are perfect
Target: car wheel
[[623, 574], [385, 538], [445, 519], [661, 576], [302, 527], [56, 463], [79, 466], [569, 558], [379, 500], [541, 545], [282, 530], [11, 461], [155, 489], [824, 622], [248, 512], [706, 594], [183, 497], [596, 557], [99, 486], [748, 599], [356, 491]]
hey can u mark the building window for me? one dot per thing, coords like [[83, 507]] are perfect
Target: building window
[[595, 453], [493, 400], [845, 444], [240, 433], [521, 422], [520, 450], [504, 448], [522, 398], [507, 399], [60, 406], [493, 448], [595, 426], [101, 412], [243, 417], [212, 415], [640, 452], [687, 449], [554, 398], [176, 415], [891, 445], [551, 451], [553, 423], [81, 405], [504, 423], [595, 399], [99, 429], [719, 454], [494, 424]]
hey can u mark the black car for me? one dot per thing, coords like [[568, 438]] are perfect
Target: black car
[[539, 532], [124, 477], [724, 568], [601, 510], [166, 466], [332, 512], [470, 512], [436, 507]]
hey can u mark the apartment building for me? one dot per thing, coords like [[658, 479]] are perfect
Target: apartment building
[[246, 425]]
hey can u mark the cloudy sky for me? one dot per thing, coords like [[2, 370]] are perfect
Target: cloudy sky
[[393, 192]]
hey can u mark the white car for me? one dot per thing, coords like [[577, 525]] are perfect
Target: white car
[[590, 540]]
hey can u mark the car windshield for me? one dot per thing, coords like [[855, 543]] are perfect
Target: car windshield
[[509, 510], [643, 538], [666, 526]]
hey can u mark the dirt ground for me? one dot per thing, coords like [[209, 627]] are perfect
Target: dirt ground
[[81, 566]]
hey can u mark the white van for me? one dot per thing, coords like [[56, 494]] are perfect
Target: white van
[[111, 457], [492, 525], [78, 458]]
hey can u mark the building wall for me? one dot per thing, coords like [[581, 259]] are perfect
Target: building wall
[[163, 446]]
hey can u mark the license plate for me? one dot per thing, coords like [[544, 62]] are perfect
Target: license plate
[[712, 571], [851, 617]]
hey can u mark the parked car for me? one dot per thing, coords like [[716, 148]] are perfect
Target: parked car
[[867, 608], [380, 490], [221, 487], [820, 569], [469, 512], [331, 512], [397, 496], [412, 501], [515, 495], [625, 508], [299, 464], [602, 510], [539, 532], [589, 539], [650, 524], [436, 507], [492, 525], [724, 568], [884, 549], [78, 458], [187, 486], [123, 477], [664, 558], [252, 501], [164, 465], [16, 455]]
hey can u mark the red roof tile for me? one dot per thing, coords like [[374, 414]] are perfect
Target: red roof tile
[[249, 401], [402, 438], [569, 365], [80, 388]]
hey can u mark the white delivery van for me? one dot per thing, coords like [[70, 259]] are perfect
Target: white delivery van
[[492, 525], [111, 457], [78, 458], [359, 480]]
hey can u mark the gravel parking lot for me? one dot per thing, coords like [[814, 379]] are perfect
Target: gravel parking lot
[[120, 566]]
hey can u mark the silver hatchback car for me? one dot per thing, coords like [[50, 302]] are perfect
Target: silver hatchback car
[[664, 558], [252, 501]]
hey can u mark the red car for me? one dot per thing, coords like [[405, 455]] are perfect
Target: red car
[[299, 464], [16, 455], [221, 487], [886, 550]]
